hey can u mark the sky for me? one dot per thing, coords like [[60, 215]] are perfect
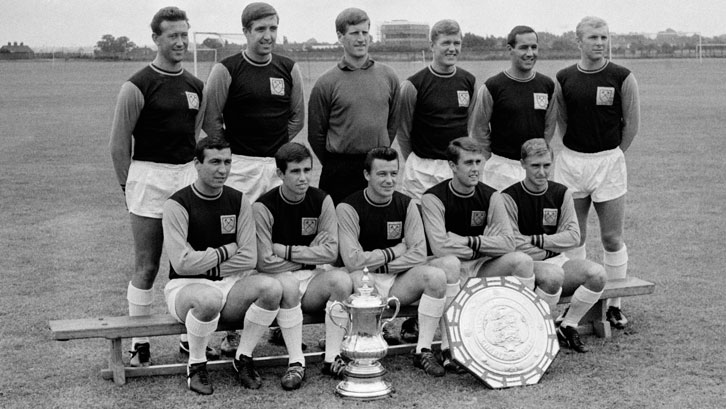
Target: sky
[[76, 23]]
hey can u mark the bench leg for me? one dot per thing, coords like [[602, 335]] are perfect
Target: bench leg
[[596, 319], [115, 362]]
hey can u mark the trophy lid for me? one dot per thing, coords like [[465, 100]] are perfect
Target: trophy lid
[[366, 298]]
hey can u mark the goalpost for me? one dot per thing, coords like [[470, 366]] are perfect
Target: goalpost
[[210, 47]]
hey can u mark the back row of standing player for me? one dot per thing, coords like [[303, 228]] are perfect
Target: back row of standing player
[[255, 99]]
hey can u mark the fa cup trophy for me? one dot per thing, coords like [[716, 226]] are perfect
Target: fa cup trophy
[[364, 344]]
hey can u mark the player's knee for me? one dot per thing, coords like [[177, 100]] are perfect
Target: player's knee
[[595, 277], [612, 241], [340, 283], [451, 266], [290, 290], [269, 292], [550, 280], [521, 264], [207, 303], [434, 279]]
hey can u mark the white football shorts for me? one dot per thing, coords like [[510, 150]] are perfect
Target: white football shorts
[[500, 172], [253, 176], [149, 184], [421, 174], [601, 175], [171, 290]]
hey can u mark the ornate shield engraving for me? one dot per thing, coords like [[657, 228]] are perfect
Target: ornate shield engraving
[[501, 332]]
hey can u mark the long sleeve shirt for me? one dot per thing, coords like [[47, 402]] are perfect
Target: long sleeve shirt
[[198, 248], [257, 107], [549, 215], [303, 231], [396, 227], [479, 217], [510, 111], [351, 111]]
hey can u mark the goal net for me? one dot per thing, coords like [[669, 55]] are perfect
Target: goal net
[[210, 47]]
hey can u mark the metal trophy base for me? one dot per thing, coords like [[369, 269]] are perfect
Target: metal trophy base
[[364, 382]]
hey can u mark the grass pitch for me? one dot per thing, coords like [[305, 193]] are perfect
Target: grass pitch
[[67, 253]]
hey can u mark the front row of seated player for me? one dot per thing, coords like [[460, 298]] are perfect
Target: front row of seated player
[[251, 264]]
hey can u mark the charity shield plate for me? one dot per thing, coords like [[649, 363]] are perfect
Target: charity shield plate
[[501, 332]]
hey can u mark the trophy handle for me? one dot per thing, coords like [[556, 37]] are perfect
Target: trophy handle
[[395, 313], [342, 306]]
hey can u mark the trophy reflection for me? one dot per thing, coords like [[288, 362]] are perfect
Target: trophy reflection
[[364, 344]]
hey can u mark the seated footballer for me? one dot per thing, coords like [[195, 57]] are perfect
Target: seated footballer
[[209, 235]]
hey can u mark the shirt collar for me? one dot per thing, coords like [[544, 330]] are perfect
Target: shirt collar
[[345, 66]]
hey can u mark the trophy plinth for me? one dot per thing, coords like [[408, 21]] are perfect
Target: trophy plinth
[[363, 344]]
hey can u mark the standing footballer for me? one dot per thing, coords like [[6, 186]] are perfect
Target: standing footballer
[[255, 100], [599, 115], [434, 110], [512, 107], [156, 122], [352, 109]]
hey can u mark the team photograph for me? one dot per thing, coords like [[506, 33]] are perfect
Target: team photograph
[[219, 219]]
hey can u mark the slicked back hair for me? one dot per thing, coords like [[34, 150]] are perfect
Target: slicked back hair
[[167, 14], [381, 152], [519, 30]]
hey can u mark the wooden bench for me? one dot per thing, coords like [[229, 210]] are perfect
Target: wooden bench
[[117, 328]]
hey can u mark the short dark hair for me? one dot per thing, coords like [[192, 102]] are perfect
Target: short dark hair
[[381, 152], [291, 152], [464, 143], [257, 11], [512, 36], [535, 147], [167, 14], [350, 17], [210, 142], [444, 27]]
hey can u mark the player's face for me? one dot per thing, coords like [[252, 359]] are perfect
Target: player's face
[[214, 170], [261, 37], [382, 179], [467, 169], [594, 42], [524, 53], [173, 41], [296, 179], [355, 40], [446, 50], [537, 171]]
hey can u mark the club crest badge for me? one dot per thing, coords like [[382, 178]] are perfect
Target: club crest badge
[[309, 226], [549, 217], [541, 101], [395, 230], [192, 100], [605, 95], [463, 97], [277, 86], [229, 224], [478, 217]]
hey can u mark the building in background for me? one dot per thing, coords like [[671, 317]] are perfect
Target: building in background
[[13, 51], [403, 33]]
